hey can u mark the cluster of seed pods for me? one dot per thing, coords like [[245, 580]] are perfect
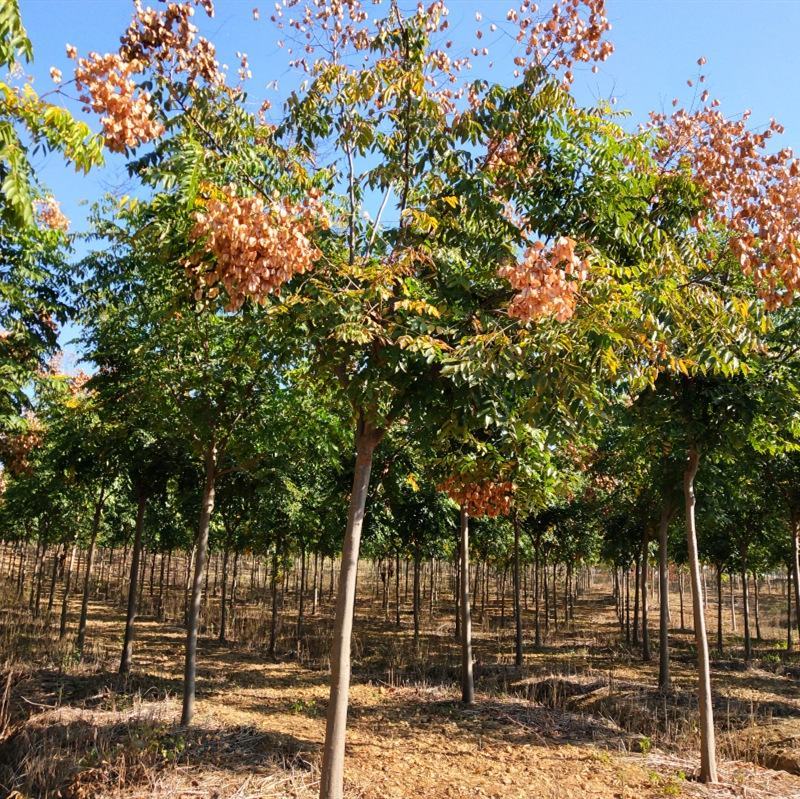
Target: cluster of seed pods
[[164, 40], [50, 214], [257, 245], [480, 498], [547, 281]]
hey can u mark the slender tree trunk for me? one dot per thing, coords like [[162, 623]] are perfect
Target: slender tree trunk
[[62, 631], [223, 602], [315, 595], [332, 770], [416, 596], [397, 589], [190, 562], [160, 599], [518, 657], [23, 556], [708, 757], [36, 583], [457, 591], [733, 600], [789, 622], [152, 572], [680, 597], [645, 602], [301, 599], [485, 593], [142, 572], [524, 589], [628, 605], [748, 644], [796, 565], [537, 627], [130, 618], [432, 594], [193, 620], [273, 582], [756, 606], [234, 586], [664, 683], [503, 598], [467, 682], [546, 594], [87, 580], [719, 611], [57, 559], [636, 593]]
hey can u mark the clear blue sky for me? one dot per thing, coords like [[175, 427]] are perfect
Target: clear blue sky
[[751, 47]]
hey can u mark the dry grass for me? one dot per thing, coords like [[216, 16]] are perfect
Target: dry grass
[[582, 717]]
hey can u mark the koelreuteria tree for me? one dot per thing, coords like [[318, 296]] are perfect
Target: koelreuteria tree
[[532, 243]]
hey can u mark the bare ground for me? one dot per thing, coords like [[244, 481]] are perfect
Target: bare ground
[[582, 718]]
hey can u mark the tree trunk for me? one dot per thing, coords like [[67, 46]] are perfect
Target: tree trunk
[[719, 611], [680, 597], [748, 644], [663, 608], [537, 627], [432, 595], [332, 770], [301, 599], [636, 594], [152, 572], [416, 596], [796, 566], [756, 606], [193, 620], [789, 645], [160, 609], [397, 589], [62, 631], [273, 582], [36, 583], [457, 591], [57, 559], [87, 580], [708, 757], [130, 618], [223, 600], [315, 594], [517, 603], [234, 587], [628, 605], [546, 594], [645, 602], [142, 572], [467, 682], [190, 562]]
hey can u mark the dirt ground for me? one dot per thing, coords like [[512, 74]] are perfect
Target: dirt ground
[[582, 718]]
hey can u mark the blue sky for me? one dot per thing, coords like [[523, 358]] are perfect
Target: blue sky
[[751, 47]]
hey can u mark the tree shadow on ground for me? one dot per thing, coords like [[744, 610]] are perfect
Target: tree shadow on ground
[[57, 751]]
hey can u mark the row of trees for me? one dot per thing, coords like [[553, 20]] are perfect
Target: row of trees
[[569, 330]]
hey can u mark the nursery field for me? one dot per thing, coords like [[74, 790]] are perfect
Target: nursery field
[[582, 716], [387, 411]]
